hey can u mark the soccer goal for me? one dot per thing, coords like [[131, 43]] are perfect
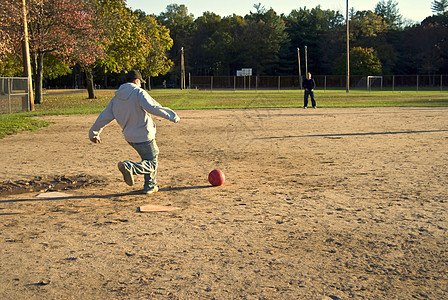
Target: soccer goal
[[373, 81]]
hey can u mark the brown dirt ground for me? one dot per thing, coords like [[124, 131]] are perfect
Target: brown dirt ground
[[318, 204]]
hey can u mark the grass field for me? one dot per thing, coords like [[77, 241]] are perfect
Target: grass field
[[63, 102]]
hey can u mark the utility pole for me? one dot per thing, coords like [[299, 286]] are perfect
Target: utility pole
[[182, 69], [306, 61], [26, 57], [348, 51], [300, 69]]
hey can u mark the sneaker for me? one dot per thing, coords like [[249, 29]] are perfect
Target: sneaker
[[305, 107], [127, 175], [314, 107], [152, 190]]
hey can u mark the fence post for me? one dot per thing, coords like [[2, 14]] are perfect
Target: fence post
[[417, 83], [441, 83], [279, 83], [211, 84], [393, 83], [9, 86], [325, 83], [234, 83]]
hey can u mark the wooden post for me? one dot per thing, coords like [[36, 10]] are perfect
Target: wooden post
[[182, 69], [26, 56], [348, 52], [300, 69], [306, 61]]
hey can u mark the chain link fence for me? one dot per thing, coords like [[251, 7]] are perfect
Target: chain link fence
[[14, 96], [323, 82]]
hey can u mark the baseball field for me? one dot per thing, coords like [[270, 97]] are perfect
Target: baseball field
[[327, 203]]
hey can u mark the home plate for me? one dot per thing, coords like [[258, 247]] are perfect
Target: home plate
[[156, 208], [52, 195]]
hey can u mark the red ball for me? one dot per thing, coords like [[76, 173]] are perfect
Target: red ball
[[216, 177]]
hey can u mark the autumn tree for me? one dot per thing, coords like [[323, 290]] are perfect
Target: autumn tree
[[125, 44], [6, 39], [75, 34], [64, 28], [128, 45], [134, 40], [160, 42], [11, 37]]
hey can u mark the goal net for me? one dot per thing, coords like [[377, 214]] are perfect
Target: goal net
[[374, 81]]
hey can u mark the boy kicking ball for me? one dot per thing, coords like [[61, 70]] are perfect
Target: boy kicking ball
[[131, 107]]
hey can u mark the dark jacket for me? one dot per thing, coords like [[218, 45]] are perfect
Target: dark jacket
[[309, 84]]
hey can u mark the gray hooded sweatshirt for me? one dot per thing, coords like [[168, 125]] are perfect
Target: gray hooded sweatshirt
[[131, 107]]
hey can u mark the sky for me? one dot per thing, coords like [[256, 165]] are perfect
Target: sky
[[413, 10]]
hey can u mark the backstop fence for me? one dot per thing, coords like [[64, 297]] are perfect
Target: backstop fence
[[323, 82], [14, 95]]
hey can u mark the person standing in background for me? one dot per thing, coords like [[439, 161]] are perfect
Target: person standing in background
[[309, 86]]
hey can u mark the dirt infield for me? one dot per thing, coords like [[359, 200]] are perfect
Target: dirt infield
[[318, 204]]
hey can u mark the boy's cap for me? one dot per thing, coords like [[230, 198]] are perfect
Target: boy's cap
[[134, 74]]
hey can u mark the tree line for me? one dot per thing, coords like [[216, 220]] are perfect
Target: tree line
[[106, 37], [381, 42]]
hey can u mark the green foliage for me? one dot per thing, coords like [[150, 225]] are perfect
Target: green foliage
[[127, 46], [181, 29], [322, 31], [157, 63], [54, 67], [11, 66], [439, 7], [363, 61], [214, 39], [367, 25], [390, 13], [135, 41], [427, 46]]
